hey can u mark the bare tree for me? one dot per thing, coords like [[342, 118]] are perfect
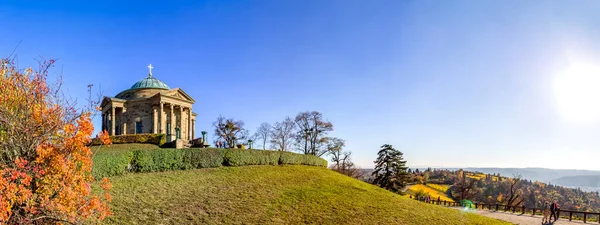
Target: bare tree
[[335, 147], [262, 134], [515, 195], [342, 159], [230, 130], [244, 137], [282, 134], [312, 133], [463, 188]]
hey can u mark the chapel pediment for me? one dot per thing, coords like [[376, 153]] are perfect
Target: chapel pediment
[[179, 94], [107, 100]]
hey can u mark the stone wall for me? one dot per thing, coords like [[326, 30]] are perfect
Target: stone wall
[[142, 110]]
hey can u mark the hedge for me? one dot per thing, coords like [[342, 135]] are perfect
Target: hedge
[[107, 164], [239, 157], [117, 163], [202, 158], [157, 139], [157, 160], [299, 159]]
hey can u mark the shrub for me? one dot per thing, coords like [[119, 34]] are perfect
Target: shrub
[[157, 139], [239, 157], [45, 167], [202, 158], [119, 162], [108, 164], [299, 159], [142, 161], [157, 160], [168, 159]]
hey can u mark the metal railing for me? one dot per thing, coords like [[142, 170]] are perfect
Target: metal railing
[[514, 209]]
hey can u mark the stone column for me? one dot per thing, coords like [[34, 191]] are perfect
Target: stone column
[[161, 118], [180, 124], [123, 120], [189, 130], [193, 128], [172, 130], [154, 121], [113, 118]]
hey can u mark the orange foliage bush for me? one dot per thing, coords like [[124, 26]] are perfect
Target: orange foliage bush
[[45, 165]]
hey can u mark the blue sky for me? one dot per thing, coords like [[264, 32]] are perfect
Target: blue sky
[[449, 83]]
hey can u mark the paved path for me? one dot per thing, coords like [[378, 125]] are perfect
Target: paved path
[[517, 218]]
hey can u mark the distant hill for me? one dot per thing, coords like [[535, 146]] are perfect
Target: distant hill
[[268, 195], [586, 182], [534, 174]]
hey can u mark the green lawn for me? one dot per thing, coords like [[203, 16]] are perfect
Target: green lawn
[[268, 195]]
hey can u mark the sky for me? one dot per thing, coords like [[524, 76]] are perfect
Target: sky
[[449, 83]]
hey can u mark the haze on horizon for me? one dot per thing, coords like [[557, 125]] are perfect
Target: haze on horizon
[[450, 84]]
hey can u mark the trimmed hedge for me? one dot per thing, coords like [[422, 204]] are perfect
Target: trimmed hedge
[[175, 159], [298, 159], [240, 157], [157, 160], [117, 163], [195, 158], [157, 139], [108, 164]]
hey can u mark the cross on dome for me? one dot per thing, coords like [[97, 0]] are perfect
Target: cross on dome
[[150, 67]]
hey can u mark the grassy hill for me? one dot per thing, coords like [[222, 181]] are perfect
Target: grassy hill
[[268, 195]]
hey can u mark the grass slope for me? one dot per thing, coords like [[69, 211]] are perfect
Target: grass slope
[[268, 195]]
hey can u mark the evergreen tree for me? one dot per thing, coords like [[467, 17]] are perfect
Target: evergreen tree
[[390, 169]]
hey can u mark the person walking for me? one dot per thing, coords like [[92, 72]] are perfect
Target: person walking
[[554, 210], [546, 213]]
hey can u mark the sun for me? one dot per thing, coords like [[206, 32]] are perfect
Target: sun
[[577, 92]]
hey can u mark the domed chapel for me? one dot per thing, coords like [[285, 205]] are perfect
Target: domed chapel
[[150, 106]]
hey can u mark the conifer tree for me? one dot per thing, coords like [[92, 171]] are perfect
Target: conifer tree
[[390, 169]]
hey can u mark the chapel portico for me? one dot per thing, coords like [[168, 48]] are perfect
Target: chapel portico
[[150, 106]]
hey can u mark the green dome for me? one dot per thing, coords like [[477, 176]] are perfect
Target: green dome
[[150, 82]]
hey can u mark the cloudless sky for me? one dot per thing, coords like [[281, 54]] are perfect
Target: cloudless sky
[[449, 83]]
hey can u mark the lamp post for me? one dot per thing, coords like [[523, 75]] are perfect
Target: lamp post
[[250, 144]]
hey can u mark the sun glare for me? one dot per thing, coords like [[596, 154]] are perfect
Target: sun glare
[[577, 92]]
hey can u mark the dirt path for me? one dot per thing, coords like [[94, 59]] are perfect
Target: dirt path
[[517, 218]]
